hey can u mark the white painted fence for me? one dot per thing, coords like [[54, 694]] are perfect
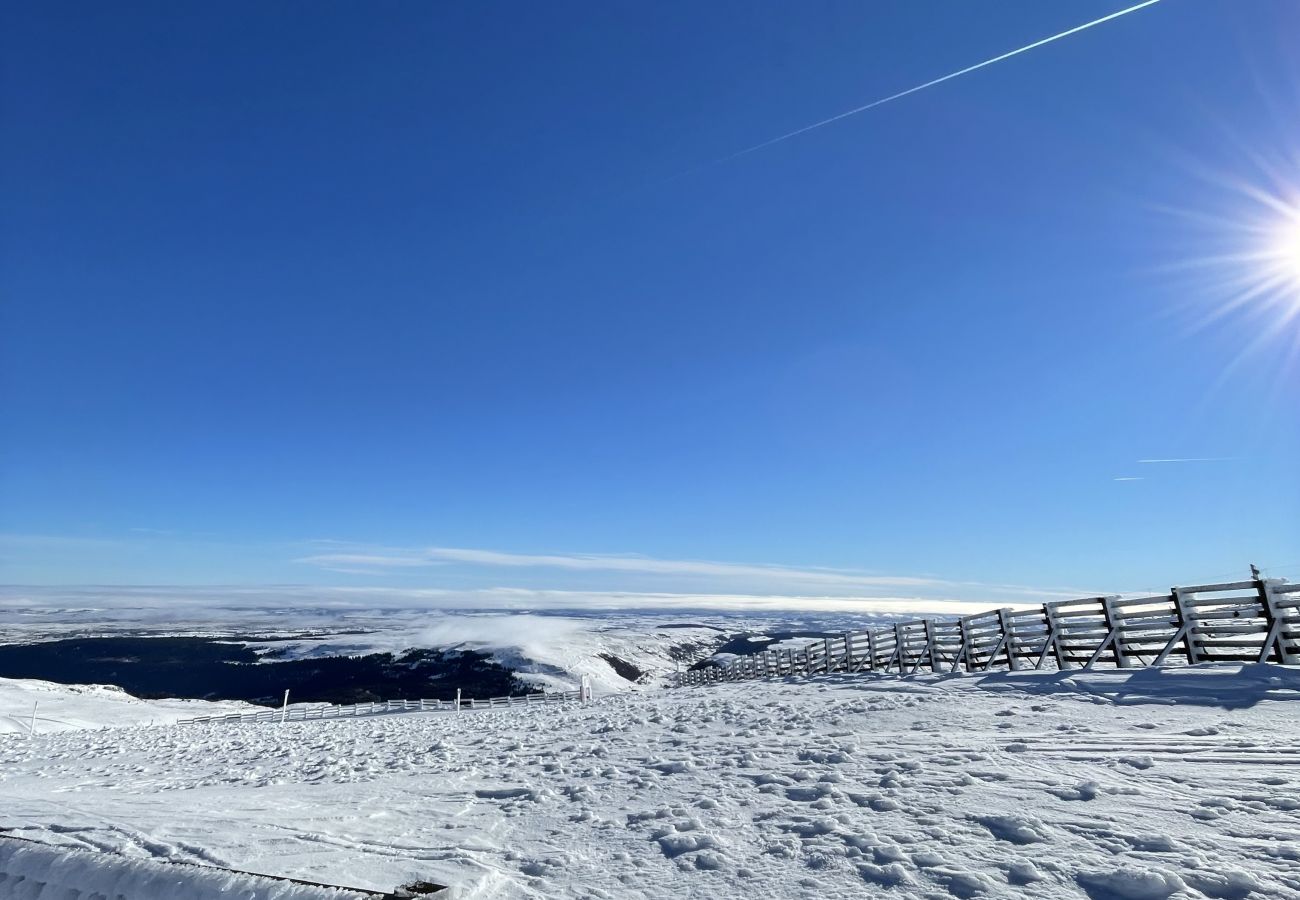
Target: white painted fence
[[304, 712], [1243, 621]]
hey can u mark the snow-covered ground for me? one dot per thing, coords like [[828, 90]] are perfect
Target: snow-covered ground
[[60, 707], [1144, 784], [33, 871]]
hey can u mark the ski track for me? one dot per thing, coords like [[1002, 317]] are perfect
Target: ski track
[[827, 788]]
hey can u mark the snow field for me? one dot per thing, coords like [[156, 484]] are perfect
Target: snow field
[[1179, 783]]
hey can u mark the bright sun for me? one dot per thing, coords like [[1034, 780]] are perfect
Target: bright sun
[[1284, 256], [1246, 263]]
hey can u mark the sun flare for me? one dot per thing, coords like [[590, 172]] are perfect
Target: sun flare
[[1283, 256], [1242, 257]]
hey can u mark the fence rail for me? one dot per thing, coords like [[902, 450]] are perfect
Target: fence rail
[[301, 713], [1242, 621]]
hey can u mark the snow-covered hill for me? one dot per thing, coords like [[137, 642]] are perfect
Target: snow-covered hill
[[61, 707], [547, 652], [1140, 784]]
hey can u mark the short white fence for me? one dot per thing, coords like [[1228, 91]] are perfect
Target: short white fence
[[1243, 621], [305, 712]]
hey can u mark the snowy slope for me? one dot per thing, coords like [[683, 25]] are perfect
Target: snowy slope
[[1132, 784], [30, 871], [60, 707], [549, 652]]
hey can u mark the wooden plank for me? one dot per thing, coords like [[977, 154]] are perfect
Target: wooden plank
[[1149, 622], [1221, 601], [1059, 604], [1066, 614], [1210, 588], [1230, 657], [1209, 646], [1258, 627], [1237, 612], [1124, 603]]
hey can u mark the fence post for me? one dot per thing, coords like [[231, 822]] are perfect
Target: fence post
[[457, 699], [1186, 624], [871, 650], [963, 646], [284, 707], [31, 729], [1112, 626], [1009, 639], [826, 648], [1054, 636], [931, 645], [1276, 617]]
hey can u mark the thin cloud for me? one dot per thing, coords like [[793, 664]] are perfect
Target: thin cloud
[[1187, 459], [1129, 478], [708, 576], [586, 562]]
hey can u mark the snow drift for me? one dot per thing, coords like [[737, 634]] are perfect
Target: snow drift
[[30, 871]]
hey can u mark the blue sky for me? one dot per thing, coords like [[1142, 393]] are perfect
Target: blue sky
[[455, 297]]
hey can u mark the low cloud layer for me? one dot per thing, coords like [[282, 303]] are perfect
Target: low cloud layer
[[164, 597]]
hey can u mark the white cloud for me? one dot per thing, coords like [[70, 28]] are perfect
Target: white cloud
[[590, 562], [213, 598], [684, 577]]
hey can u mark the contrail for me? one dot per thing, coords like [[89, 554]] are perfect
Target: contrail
[[920, 87], [1188, 459]]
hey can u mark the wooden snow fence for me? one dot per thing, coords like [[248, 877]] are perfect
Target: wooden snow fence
[[1241, 621], [304, 712]]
